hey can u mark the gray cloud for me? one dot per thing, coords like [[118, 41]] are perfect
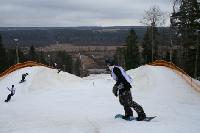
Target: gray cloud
[[75, 12]]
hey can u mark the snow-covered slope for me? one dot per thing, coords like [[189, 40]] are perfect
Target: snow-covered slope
[[50, 103]]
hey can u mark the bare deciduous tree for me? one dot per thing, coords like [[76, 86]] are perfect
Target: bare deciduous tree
[[154, 17], [176, 4]]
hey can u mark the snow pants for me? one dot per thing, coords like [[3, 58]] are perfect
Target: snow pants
[[9, 97], [125, 99]]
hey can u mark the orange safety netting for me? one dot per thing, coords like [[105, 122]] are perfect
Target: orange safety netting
[[20, 65], [179, 71]]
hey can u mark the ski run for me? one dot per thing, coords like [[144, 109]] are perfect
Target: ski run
[[49, 102]]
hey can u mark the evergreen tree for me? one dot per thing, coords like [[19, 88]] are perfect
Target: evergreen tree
[[132, 51], [11, 57], [42, 58], [64, 61], [186, 22], [167, 57], [3, 59], [119, 57], [147, 45], [22, 56], [77, 67], [156, 42], [32, 54], [11, 54]]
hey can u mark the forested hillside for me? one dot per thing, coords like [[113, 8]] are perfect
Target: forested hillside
[[42, 36]]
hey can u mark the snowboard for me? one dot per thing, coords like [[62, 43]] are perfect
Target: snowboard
[[22, 81], [147, 119]]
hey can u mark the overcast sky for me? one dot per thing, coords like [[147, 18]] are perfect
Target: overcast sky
[[67, 13]]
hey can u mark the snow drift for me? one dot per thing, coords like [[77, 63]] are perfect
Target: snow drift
[[49, 102]]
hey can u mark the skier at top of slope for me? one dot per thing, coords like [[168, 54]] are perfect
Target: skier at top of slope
[[122, 88]]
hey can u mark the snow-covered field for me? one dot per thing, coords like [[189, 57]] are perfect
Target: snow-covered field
[[63, 103]]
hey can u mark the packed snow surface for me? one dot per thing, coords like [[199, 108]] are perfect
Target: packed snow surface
[[49, 102]]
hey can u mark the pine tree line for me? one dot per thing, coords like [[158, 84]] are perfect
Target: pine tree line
[[185, 20], [61, 58]]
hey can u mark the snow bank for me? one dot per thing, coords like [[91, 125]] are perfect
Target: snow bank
[[49, 102]]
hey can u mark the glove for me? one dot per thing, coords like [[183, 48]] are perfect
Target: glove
[[115, 90], [120, 86]]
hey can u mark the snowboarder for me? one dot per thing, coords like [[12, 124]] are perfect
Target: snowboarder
[[23, 77], [122, 89], [56, 67], [59, 70], [12, 90]]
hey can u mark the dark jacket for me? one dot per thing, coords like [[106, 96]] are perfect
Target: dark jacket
[[121, 79]]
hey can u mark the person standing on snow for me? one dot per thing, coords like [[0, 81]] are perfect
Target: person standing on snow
[[23, 77], [56, 67], [122, 89], [12, 90]]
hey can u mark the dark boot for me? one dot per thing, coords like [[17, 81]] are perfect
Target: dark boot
[[128, 112], [139, 110], [141, 116]]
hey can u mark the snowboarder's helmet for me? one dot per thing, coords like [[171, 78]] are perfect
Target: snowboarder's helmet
[[12, 85]]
